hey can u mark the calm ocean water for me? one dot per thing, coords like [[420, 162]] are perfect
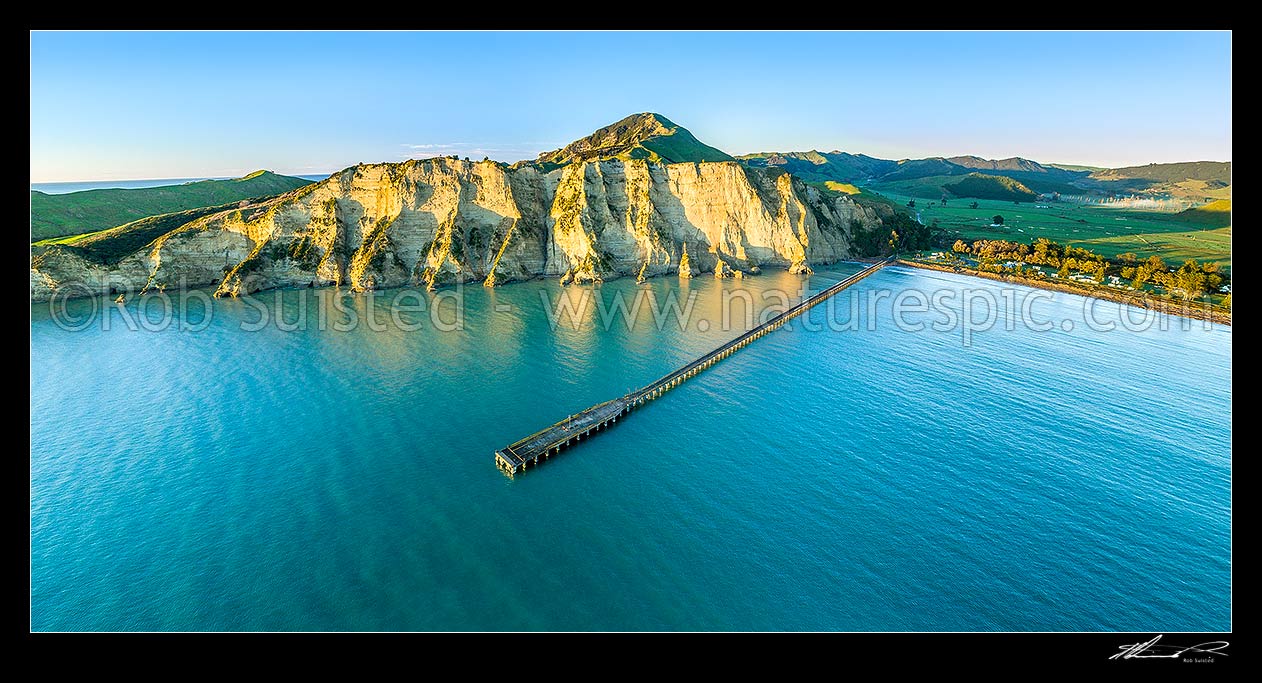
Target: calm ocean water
[[870, 479]]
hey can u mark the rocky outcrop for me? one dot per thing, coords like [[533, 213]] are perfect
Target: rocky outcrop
[[435, 222], [685, 264]]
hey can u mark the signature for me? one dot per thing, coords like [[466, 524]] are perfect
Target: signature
[[1153, 650]]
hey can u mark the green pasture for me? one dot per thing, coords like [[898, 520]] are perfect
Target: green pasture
[[1105, 230]]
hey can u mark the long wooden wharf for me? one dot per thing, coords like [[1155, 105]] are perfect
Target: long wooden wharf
[[549, 441]]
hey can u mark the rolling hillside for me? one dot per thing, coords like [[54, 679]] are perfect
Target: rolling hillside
[[1170, 173], [108, 246], [982, 186], [972, 186], [1197, 180], [58, 215], [1216, 214]]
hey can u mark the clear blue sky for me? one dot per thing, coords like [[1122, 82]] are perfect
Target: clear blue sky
[[165, 105]]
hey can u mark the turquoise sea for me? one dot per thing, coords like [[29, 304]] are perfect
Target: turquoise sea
[[871, 479]]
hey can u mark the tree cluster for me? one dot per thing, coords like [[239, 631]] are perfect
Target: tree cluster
[[1189, 280], [898, 233]]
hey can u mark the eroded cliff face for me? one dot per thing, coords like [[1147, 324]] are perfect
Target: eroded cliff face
[[436, 222]]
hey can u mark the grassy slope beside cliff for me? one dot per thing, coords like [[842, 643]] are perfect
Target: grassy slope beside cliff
[[110, 246], [58, 215]]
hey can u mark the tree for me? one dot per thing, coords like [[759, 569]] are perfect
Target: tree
[[960, 247], [911, 204], [1142, 274], [973, 205], [997, 219], [1046, 251], [1128, 258]]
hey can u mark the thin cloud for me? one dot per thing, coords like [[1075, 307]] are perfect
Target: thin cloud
[[440, 145], [500, 152]]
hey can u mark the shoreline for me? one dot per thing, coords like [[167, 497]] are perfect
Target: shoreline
[[1166, 306], [85, 292]]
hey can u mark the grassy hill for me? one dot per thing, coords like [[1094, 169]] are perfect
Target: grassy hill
[[912, 169], [1198, 180], [919, 188], [1170, 173], [982, 186], [1029, 174], [108, 246], [1216, 214], [639, 136], [973, 185], [844, 188], [1174, 247], [75, 213], [1076, 167], [1194, 180]]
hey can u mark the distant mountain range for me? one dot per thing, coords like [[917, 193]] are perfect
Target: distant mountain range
[[1012, 178], [815, 166]]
